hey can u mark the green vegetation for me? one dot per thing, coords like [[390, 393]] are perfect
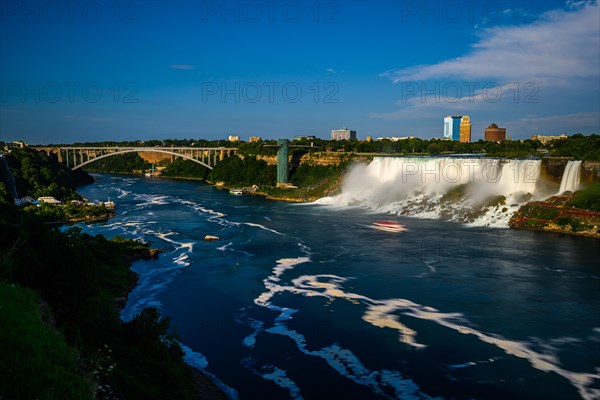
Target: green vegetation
[[5, 195], [307, 175], [262, 148], [579, 214], [247, 172], [62, 336], [574, 223], [67, 212], [122, 163], [37, 174], [182, 168], [588, 198], [416, 146], [35, 360], [312, 181], [577, 146], [539, 211], [79, 276]]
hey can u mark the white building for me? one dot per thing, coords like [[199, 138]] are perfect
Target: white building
[[49, 200], [234, 138]]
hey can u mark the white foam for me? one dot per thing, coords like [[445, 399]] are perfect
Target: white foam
[[384, 314], [181, 260], [178, 245], [200, 362], [340, 359], [263, 227], [276, 375], [151, 200], [123, 193], [416, 187], [225, 246]]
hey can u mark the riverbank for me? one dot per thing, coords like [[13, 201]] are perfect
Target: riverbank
[[204, 387], [89, 219], [573, 214], [211, 294]]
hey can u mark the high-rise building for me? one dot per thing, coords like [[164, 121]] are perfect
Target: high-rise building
[[465, 129], [495, 134], [343, 134], [452, 127]]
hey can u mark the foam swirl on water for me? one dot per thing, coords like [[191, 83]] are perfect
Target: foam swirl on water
[[384, 314]]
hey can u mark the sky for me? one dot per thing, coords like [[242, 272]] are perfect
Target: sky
[[77, 71]]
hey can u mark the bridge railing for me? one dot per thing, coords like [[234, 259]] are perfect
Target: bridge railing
[[77, 156]]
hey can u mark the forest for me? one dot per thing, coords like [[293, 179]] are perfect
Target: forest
[[62, 336]]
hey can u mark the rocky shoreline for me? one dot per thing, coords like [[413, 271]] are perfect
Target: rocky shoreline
[[552, 215], [204, 386]]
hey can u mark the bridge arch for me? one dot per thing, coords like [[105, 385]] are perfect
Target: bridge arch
[[142, 150]]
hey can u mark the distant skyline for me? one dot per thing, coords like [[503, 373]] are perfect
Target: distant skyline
[[96, 71]]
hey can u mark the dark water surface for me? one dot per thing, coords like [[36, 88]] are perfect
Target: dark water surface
[[306, 301]]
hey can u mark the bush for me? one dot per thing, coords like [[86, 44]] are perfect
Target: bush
[[37, 174], [587, 198], [249, 171], [183, 168], [122, 163]]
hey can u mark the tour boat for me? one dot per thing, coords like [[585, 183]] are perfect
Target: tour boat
[[236, 192], [389, 226], [110, 205]]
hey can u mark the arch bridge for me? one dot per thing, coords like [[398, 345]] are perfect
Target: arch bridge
[[77, 157]]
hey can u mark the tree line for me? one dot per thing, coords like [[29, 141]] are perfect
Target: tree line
[[62, 336]]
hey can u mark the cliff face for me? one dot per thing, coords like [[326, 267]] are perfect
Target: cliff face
[[553, 169], [316, 158], [155, 158], [590, 171]]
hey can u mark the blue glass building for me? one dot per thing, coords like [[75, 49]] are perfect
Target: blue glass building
[[452, 127]]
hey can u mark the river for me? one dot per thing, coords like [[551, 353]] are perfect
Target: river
[[308, 301]]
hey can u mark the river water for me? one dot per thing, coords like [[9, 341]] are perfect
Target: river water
[[308, 301]]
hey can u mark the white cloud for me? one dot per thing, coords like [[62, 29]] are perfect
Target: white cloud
[[331, 71], [554, 61], [561, 45]]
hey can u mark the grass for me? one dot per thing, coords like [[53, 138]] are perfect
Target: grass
[[35, 360]]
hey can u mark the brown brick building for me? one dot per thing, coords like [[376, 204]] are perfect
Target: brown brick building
[[495, 134]]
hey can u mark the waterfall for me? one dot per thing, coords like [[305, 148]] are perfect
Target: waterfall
[[479, 191], [9, 179], [570, 179]]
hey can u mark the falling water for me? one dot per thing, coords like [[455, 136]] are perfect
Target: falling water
[[570, 178], [479, 191]]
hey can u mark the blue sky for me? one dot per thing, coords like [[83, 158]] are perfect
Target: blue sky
[[91, 71]]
